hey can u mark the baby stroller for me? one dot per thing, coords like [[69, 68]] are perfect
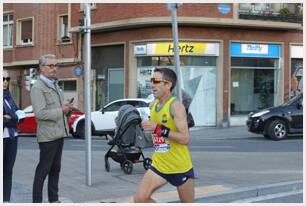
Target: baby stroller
[[128, 141]]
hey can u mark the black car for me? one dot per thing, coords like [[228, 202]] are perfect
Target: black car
[[277, 122]]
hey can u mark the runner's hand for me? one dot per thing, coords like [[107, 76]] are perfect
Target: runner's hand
[[148, 126]]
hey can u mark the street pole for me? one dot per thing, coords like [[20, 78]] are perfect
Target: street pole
[[173, 7], [87, 97]]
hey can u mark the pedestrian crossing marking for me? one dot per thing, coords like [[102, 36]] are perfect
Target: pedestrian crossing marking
[[172, 195]]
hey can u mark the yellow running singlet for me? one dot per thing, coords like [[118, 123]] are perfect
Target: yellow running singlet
[[169, 157]]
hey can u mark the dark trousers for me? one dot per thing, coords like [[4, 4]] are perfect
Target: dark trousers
[[49, 164], [9, 157]]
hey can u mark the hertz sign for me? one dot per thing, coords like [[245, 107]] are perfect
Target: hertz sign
[[185, 48]]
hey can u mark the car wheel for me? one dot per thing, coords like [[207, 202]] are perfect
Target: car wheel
[[80, 130], [73, 134], [278, 130]]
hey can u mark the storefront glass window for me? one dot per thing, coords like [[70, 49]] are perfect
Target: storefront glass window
[[253, 88], [115, 84], [296, 76], [200, 84], [143, 81], [198, 80], [252, 62], [169, 61]]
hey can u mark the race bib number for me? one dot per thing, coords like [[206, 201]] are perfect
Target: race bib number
[[160, 144]]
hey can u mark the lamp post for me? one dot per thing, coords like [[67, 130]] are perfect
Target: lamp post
[[172, 7], [87, 98]]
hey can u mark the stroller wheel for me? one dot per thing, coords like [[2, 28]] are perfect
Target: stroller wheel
[[106, 164], [146, 163], [127, 167]]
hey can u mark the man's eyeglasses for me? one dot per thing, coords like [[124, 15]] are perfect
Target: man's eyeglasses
[[6, 79], [157, 80], [51, 65]]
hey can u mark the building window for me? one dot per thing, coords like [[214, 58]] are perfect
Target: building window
[[25, 32], [255, 8], [68, 85], [8, 24], [69, 89], [65, 36]]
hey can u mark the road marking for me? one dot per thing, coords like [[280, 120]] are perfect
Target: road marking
[[193, 147], [268, 197], [170, 195], [275, 171]]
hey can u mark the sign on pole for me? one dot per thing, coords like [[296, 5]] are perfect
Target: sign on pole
[[78, 71]]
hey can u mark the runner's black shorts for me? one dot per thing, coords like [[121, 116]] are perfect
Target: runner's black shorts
[[175, 179]]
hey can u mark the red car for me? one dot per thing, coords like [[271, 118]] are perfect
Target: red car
[[29, 123]]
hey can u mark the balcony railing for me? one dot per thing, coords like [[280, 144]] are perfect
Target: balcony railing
[[288, 12], [292, 18]]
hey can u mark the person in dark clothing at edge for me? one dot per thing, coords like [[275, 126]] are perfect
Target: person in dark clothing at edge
[[10, 133], [50, 113]]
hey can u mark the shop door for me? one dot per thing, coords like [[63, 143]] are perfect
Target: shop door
[[115, 84]]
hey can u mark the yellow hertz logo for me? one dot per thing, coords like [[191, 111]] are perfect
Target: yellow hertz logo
[[184, 48]]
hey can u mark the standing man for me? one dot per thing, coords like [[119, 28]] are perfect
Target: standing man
[[171, 159], [50, 113]]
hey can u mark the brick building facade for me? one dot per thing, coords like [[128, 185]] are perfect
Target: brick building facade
[[234, 65]]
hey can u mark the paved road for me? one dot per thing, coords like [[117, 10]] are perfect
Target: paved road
[[283, 198], [224, 160]]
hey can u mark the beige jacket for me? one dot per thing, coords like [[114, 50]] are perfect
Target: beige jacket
[[47, 106]]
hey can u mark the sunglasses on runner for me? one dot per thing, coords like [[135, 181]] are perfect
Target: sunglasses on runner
[[157, 80]]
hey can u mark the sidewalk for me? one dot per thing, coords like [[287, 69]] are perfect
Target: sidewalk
[[113, 186], [234, 132]]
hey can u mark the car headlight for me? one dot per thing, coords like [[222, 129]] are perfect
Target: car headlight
[[258, 114]]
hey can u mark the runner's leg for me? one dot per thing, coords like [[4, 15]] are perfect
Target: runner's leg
[[186, 191], [149, 183]]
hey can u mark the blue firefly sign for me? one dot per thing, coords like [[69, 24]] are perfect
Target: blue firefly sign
[[224, 8], [78, 71]]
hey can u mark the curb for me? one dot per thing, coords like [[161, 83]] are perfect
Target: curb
[[241, 194]]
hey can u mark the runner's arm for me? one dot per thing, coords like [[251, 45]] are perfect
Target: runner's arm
[[182, 134]]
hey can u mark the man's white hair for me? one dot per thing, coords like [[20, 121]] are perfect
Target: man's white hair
[[43, 59]]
